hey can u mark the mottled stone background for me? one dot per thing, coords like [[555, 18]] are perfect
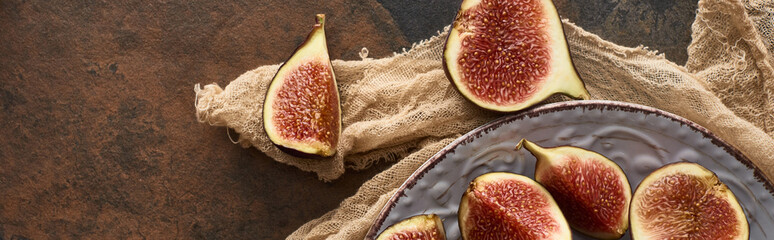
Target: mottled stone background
[[99, 137]]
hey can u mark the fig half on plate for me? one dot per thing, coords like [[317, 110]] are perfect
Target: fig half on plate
[[420, 227], [686, 201], [507, 55], [302, 112], [501, 205], [592, 190]]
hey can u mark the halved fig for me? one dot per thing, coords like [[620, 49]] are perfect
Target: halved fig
[[420, 227], [503, 205], [592, 191], [507, 55], [686, 201], [301, 112]]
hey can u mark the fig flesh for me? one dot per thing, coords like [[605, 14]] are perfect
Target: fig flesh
[[420, 227], [302, 112], [686, 201], [507, 55], [503, 205], [591, 190]]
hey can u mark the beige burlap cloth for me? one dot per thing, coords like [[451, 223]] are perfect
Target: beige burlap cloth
[[403, 107]]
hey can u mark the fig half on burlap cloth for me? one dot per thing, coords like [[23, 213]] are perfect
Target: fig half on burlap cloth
[[301, 112], [403, 107], [510, 55]]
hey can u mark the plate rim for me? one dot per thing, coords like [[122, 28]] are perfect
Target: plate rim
[[549, 108]]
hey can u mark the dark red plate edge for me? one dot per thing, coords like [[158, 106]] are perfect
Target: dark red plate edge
[[549, 108]]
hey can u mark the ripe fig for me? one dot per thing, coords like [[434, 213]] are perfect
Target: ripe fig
[[507, 55], [301, 112], [420, 227], [592, 191], [686, 201], [503, 205]]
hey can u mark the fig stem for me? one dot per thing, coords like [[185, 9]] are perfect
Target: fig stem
[[585, 95], [320, 18], [536, 150]]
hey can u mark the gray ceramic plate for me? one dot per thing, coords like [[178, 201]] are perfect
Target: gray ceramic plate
[[638, 138]]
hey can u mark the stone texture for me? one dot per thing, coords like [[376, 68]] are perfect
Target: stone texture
[[660, 25], [96, 105], [100, 138]]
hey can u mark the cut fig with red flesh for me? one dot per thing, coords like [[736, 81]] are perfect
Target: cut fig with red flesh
[[507, 55], [420, 227], [502, 205], [592, 191], [302, 112], [686, 201]]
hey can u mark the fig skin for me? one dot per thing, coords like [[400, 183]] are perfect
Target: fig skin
[[312, 50], [562, 231], [420, 223], [565, 80], [696, 172], [550, 160], [299, 154]]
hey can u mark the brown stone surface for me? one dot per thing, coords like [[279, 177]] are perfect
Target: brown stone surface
[[96, 104], [660, 25], [100, 137]]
